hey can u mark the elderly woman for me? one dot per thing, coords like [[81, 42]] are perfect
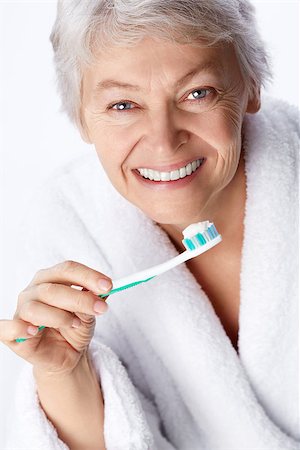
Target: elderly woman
[[203, 357]]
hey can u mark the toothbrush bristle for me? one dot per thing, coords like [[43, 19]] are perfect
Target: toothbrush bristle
[[200, 239]]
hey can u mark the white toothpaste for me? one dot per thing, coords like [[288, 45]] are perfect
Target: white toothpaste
[[194, 228]]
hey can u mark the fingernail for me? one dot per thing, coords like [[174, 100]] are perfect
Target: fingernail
[[104, 284], [32, 330], [76, 323], [100, 307]]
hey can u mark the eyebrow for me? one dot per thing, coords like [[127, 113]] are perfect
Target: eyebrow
[[207, 66]]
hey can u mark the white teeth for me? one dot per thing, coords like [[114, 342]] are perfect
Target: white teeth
[[150, 174], [164, 176], [172, 175], [182, 172], [175, 175], [189, 169], [156, 175]]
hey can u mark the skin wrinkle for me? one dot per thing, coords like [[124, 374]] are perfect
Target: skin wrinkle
[[164, 128], [230, 106]]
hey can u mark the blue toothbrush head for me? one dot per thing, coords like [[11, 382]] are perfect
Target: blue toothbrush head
[[198, 234]]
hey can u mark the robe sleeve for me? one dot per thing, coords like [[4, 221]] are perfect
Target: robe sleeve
[[52, 231], [131, 421]]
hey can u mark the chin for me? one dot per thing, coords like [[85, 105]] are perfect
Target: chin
[[176, 216]]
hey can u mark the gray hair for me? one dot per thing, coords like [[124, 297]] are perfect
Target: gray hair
[[82, 26]]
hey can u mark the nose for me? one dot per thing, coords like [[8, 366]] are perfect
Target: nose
[[164, 136]]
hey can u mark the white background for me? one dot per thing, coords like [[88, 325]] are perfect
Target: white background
[[35, 138]]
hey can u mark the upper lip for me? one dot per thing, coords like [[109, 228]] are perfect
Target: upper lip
[[170, 167]]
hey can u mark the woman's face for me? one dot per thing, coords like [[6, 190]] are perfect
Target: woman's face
[[161, 105]]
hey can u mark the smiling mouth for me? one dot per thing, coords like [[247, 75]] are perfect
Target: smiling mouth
[[173, 175]]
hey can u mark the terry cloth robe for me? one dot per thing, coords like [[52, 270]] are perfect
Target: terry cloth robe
[[170, 377]]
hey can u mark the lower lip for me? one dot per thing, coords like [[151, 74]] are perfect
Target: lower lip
[[168, 184]]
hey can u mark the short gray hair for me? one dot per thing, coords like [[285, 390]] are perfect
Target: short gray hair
[[81, 26]]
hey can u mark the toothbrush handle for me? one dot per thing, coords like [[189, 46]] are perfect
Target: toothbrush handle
[[167, 265]]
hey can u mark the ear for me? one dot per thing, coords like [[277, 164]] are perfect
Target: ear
[[254, 103]]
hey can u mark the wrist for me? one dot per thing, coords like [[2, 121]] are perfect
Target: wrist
[[83, 366], [73, 402]]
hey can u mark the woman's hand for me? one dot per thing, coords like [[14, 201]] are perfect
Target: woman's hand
[[67, 313]]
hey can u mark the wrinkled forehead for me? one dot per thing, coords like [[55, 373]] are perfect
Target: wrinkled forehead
[[151, 57]]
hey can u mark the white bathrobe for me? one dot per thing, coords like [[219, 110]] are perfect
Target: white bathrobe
[[170, 377]]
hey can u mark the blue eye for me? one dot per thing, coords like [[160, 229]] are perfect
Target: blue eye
[[203, 94], [123, 106]]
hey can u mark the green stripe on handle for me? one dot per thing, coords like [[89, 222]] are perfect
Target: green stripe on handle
[[113, 291], [127, 286], [25, 339]]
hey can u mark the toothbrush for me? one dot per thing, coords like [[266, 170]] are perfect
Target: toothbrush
[[197, 239]]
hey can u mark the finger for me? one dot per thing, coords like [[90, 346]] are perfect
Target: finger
[[64, 297], [104, 298], [74, 273], [38, 313], [13, 329]]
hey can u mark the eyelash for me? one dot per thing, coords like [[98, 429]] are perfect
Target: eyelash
[[209, 90]]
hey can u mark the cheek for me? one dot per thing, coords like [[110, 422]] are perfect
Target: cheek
[[113, 146], [218, 130], [233, 118], [113, 139]]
